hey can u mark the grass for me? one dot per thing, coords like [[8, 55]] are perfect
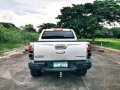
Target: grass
[[6, 47], [107, 42], [15, 38]]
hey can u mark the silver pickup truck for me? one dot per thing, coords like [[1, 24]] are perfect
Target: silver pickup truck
[[59, 50]]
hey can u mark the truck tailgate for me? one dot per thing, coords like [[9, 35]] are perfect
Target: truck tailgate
[[50, 51]]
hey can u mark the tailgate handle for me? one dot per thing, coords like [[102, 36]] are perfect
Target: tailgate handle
[[60, 47]]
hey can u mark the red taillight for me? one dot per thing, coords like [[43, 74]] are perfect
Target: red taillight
[[31, 54], [89, 47], [30, 48]]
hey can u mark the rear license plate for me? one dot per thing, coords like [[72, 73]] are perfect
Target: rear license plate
[[60, 64]]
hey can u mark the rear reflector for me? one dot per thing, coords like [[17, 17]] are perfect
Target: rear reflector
[[30, 55]]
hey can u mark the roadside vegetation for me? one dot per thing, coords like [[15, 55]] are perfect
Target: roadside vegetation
[[106, 42], [107, 37], [13, 37]]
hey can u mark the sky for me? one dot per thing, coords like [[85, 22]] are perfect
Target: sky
[[36, 12]]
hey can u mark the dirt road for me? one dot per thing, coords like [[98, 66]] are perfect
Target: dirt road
[[104, 75]]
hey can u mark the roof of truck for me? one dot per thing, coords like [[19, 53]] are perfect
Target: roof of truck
[[58, 29]]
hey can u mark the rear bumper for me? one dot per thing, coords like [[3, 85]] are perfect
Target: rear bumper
[[72, 65]]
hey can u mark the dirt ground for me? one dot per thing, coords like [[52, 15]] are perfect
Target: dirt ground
[[104, 75]]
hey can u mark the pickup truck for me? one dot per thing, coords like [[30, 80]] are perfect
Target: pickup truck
[[59, 50]]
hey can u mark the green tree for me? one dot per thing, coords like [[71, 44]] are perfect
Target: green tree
[[29, 28], [88, 17], [7, 25]]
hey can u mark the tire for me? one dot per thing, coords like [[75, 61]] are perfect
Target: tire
[[81, 72], [35, 73]]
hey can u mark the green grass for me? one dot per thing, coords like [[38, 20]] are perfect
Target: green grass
[[15, 38], [107, 42], [7, 47]]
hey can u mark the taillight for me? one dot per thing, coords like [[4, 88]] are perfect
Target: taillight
[[89, 47], [30, 48], [31, 54]]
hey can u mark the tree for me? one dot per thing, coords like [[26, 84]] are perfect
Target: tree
[[72, 17], [29, 28], [79, 18], [7, 25], [46, 26], [88, 17]]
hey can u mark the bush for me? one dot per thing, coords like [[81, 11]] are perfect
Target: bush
[[16, 36], [108, 33], [104, 33], [116, 32]]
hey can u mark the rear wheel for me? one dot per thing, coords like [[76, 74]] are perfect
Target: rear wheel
[[35, 73], [81, 72]]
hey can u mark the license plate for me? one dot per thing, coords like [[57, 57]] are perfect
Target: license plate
[[60, 64]]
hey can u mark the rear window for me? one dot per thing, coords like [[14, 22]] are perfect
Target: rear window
[[57, 35]]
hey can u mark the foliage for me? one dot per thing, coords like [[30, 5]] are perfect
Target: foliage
[[108, 33], [29, 28], [46, 26], [7, 25], [116, 32], [112, 43], [87, 18], [106, 42], [14, 37], [104, 33]]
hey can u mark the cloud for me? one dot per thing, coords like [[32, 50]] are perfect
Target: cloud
[[36, 12]]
